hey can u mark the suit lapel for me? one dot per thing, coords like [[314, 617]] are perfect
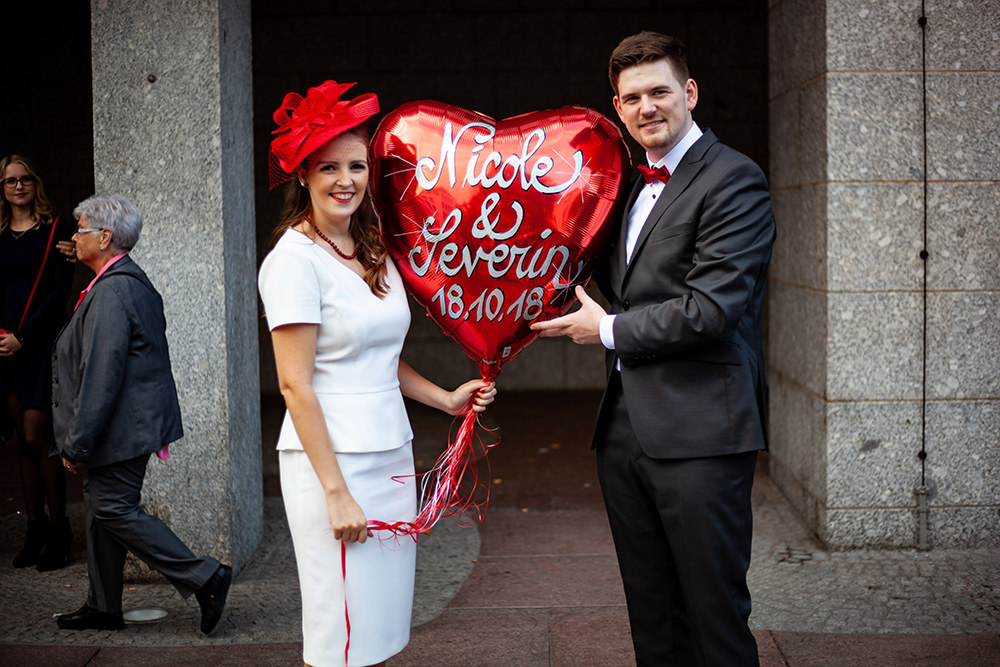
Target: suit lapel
[[686, 171]]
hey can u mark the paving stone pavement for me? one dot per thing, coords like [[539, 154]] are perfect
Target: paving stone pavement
[[263, 605], [798, 586], [811, 606]]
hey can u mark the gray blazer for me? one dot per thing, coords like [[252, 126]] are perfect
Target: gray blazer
[[113, 395], [688, 330]]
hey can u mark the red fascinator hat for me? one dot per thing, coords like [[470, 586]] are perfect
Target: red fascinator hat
[[307, 123]]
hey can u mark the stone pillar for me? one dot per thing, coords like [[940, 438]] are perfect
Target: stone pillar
[[173, 131], [883, 365]]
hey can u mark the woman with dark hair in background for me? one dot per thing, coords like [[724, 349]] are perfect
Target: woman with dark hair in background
[[35, 281]]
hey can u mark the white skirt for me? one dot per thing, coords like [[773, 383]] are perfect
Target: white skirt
[[379, 577]]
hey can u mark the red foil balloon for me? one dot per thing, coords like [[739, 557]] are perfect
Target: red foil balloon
[[492, 224]]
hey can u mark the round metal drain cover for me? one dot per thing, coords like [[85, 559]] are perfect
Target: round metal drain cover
[[145, 615]]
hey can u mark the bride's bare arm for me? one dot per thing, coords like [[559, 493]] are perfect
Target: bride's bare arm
[[414, 385], [295, 357]]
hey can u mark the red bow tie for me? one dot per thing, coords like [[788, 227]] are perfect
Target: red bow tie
[[658, 174]]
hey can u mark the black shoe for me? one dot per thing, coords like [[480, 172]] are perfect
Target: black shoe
[[56, 554], [212, 598], [34, 540], [88, 618]]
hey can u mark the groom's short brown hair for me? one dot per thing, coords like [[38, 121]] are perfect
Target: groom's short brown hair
[[647, 47]]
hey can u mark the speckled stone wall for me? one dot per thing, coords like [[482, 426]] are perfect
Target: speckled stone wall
[[173, 130], [883, 366]]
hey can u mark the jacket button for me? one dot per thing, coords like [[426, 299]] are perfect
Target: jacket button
[[626, 305]]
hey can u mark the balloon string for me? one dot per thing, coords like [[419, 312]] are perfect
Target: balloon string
[[347, 617], [441, 492], [441, 487], [441, 496]]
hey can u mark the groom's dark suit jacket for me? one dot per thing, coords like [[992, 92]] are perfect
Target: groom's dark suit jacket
[[688, 305]]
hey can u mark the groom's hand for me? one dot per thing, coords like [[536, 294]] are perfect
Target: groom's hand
[[582, 326]]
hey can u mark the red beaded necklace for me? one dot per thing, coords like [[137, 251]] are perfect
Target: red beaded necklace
[[332, 244]]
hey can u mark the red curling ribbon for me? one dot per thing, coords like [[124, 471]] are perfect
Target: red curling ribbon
[[347, 616], [442, 492], [441, 496]]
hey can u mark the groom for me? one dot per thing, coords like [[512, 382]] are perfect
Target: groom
[[682, 416]]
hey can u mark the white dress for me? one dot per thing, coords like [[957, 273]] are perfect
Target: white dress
[[356, 380]]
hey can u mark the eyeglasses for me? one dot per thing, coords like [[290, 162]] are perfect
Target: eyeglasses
[[12, 182], [88, 230]]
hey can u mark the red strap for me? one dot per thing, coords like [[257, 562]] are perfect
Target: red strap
[[48, 246], [347, 617]]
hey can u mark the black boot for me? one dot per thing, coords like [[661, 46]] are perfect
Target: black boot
[[34, 540], [88, 618], [56, 554], [212, 597]]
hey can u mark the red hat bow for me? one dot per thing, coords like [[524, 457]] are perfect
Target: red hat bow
[[307, 123]]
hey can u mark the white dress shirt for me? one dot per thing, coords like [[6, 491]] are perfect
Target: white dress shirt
[[640, 212]]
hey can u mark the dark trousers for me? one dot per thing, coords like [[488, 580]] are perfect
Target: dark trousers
[[116, 524], [682, 531]]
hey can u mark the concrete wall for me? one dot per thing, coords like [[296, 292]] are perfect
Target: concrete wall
[[882, 365]]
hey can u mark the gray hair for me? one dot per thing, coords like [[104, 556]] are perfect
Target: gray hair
[[116, 213]]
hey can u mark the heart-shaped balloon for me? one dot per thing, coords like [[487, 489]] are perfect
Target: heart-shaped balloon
[[492, 224]]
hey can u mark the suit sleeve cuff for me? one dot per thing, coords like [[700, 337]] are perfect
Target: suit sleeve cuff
[[607, 331]]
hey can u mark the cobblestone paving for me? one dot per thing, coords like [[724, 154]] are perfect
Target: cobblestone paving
[[796, 586], [263, 605]]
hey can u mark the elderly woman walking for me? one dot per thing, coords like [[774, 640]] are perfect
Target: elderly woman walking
[[115, 404]]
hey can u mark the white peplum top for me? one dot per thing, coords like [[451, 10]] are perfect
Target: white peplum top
[[360, 337]]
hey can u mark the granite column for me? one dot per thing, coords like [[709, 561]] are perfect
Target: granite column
[[173, 130], [883, 338]]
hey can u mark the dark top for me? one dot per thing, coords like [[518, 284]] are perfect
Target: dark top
[[28, 373], [688, 304], [113, 394]]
